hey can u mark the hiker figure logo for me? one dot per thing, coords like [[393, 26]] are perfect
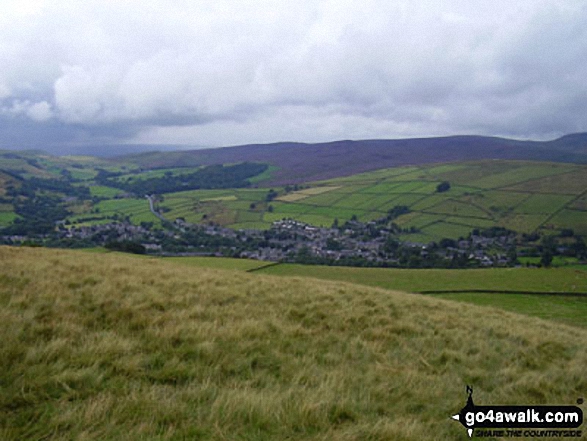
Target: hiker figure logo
[[507, 421]]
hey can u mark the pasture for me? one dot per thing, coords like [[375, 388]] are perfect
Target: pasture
[[135, 209]]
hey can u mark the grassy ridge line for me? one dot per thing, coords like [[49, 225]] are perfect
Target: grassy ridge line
[[100, 347], [570, 309], [505, 291], [247, 265], [510, 279], [459, 285], [226, 263]]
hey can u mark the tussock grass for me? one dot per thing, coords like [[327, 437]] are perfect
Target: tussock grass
[[111, 347]]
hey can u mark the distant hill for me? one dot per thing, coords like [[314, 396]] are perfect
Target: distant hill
[[301, 162]]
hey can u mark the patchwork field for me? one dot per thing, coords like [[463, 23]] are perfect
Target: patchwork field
[[523, 196], [98, 346], [482, 194], [135, 209]]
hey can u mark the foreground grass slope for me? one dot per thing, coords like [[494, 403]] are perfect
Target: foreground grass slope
[[565, 309], [569, 310], [110, 347]]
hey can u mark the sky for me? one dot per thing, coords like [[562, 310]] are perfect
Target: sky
[[228, 72]]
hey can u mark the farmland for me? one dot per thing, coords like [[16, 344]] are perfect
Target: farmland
[[153, 351], [522, 196], [482, 195]]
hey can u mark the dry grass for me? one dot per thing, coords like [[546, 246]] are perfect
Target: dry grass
[[303, 194], [109, 347]]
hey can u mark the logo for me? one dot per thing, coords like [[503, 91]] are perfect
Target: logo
[[518, 421]]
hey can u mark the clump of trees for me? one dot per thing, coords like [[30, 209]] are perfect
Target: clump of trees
[[126, 246], [211, 177], [272, 194], [442, 187]]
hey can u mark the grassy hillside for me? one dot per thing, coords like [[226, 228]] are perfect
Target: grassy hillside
[[300, 162], [418, 280], [110, 347], [454, 282]]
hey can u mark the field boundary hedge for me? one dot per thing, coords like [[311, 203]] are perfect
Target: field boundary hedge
[[263, 267], [504, 291]]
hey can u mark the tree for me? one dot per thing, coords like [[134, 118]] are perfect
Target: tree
[[546, 258], [443, 186], [304, 255], [447, 242], [391, 245], [126, 246], [333, 244], [580, 248], [512, 256], [271, 195]]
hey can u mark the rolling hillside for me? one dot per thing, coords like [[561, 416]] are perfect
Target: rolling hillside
[[299, 162], [102, 347]]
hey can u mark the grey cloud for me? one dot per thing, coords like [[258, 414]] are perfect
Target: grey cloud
[[229, 72]]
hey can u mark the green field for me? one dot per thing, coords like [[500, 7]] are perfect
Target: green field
[[569, 310], [267, 174], [137, 210], [417, 280], [82, 174], [102, 191], [7, 217]]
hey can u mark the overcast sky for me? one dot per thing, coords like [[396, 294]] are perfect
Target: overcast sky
[[225, 72]]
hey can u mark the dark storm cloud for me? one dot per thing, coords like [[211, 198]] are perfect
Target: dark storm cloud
[[229, 72], [55, 136]]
